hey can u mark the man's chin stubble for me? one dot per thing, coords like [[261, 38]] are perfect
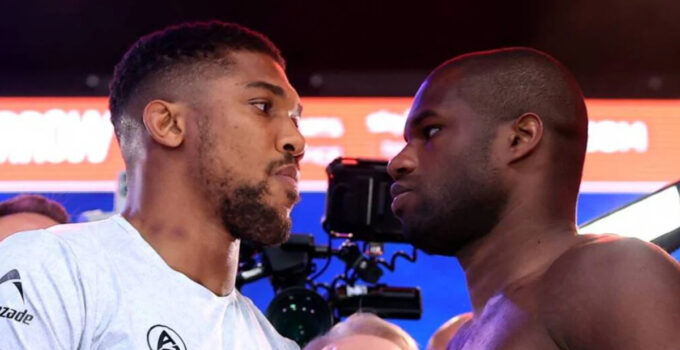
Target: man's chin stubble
[[247, 215]]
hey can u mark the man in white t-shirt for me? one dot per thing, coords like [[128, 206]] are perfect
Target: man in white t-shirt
[[207, 124]]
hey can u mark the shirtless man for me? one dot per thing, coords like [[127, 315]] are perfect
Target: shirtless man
[[490, 174], [207, 124]]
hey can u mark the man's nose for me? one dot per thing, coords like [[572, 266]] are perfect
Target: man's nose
[[402, 164], [291, 141]]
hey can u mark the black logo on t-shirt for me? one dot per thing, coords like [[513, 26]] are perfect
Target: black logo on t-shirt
[[14, 277], [8, 312], [160, 337]]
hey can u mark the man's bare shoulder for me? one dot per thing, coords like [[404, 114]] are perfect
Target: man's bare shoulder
[[607, 289], [443, 335], [608, 259]]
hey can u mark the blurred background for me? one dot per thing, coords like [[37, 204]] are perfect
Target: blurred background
[[370, 57], [616, 49]]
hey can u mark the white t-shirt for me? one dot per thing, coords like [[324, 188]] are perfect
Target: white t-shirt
[[101, 286]]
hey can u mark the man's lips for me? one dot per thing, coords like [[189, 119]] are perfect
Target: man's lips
[[398, 192], [289, 174], [396, 189]]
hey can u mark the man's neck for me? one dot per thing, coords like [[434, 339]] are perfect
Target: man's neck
[[513, 253], [185, 233]]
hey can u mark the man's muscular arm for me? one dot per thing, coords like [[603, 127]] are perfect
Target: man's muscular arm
[[620, 294]]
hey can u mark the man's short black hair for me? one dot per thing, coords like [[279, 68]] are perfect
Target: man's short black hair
[[503, 84], [33, 203], [175, 51]]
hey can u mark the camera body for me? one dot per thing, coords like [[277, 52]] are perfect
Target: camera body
[[358, 210], [358, 201]]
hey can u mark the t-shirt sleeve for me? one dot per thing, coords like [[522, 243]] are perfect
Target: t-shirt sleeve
[[42, 301], [272, 336]]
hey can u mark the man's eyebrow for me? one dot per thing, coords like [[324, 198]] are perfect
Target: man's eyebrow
[[275, 89], [421, 116], [417, 120]]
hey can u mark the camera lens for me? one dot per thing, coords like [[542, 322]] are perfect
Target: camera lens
[[300, 314]]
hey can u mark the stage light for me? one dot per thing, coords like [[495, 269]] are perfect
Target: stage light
[[653, 218]]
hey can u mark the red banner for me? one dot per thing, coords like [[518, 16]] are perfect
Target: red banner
[[67, 144]]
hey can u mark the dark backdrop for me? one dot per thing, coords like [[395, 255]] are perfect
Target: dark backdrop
[[616, 48]]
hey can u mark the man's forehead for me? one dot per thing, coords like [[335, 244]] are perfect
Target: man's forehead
[[440, 87], [253, 71], [255, 63], [441, 100], [432, 96]]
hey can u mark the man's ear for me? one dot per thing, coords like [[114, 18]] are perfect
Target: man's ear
[[164, 123], [526, 134]]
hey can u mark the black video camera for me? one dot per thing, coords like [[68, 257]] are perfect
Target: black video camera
[[358, 210], [358, 201]]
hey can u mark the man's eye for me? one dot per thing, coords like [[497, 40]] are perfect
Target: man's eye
[[430, 131], [262, 105], [296, 120]]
